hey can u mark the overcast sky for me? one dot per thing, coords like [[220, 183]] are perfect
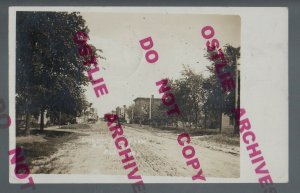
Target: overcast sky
[[177, 39]]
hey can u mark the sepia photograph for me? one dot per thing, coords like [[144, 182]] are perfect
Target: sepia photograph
[[161, 75]]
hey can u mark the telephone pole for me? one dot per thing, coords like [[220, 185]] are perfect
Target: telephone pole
[[150, 108]]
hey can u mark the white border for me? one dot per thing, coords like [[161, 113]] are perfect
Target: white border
[[255, 80]]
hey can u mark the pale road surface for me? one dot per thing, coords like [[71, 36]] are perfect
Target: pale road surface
[[157, 153]]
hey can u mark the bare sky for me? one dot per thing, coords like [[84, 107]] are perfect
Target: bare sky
[[177, 39]]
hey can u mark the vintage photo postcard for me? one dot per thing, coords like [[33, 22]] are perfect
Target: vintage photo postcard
[[148, 95]]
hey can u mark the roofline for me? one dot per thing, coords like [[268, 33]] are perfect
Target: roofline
[[145, 98]]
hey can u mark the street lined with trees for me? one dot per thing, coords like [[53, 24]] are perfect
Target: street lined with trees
[[201, 100], [49, 70]]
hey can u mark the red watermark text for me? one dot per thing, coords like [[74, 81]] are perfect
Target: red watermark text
[[21, 168], [125, 152]]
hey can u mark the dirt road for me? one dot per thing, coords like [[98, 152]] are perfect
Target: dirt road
[[157, 153]]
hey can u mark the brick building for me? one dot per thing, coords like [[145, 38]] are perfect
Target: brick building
[[143, 108]]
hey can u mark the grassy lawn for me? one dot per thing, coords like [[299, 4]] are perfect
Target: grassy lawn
[[233, 140], [76, 126], [39, 145], [226, 138]]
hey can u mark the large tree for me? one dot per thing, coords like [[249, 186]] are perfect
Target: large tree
[[190, 95], [219, 101], [50, 71], [202, 101]]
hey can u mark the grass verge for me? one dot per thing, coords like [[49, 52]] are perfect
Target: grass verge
[[35, 148]]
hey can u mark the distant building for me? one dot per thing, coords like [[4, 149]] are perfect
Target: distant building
[[90, 114], [141, 114], [122, 113], [142, 106], [227, 124], [144, 103]]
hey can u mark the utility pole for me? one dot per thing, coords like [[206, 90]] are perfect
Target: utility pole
[[132, 114], [124, 116], [237, 94], [150, 108]]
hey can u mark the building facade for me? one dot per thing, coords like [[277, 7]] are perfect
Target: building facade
[[143, 108]]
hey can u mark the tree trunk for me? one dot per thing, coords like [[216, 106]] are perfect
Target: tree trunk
[[59, 118], [27, 131], [220, 122], [42, 120], [237, 119], [236, 127], [205, 121], [196, 118], [27, 126]]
